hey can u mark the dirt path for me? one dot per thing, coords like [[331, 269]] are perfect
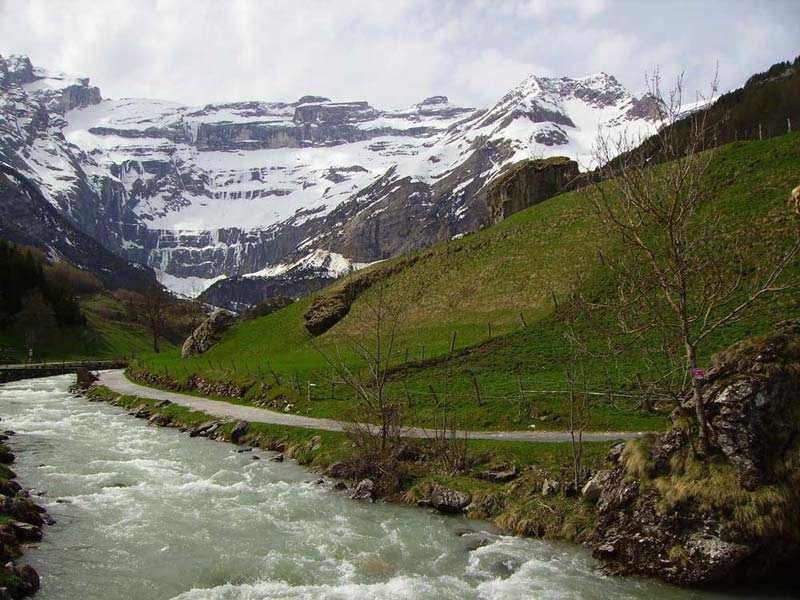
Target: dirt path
[[116, 381]]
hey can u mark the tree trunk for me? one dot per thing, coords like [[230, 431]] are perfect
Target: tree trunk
[[697, 398], [155, 342]]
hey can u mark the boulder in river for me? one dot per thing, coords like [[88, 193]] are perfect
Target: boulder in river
[[238, 431], [729, 514], [85, 378], [364, 490]]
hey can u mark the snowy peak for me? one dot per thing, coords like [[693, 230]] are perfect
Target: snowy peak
[[59, 91], [256, 187]]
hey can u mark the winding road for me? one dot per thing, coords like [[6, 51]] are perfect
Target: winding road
[[115, 380]]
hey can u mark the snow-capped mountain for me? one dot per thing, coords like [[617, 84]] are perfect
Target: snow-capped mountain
[[264, 188]]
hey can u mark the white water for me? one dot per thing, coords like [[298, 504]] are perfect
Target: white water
[[153, 514]]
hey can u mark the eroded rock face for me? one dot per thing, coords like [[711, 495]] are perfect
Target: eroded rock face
[[729, 515], [208, 333], [528, 183]]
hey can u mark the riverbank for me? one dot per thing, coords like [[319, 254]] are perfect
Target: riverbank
[[148, 512], [521, 487], [659, 507], [21, 522]]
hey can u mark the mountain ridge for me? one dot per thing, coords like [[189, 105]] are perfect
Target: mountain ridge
[[227, 190]]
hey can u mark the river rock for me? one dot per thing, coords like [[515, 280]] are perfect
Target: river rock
[[85, 378], [29, 580], [21, 509], [339, 470], [141, 412], [160, 420], [26, 532], [668, 512], [449, 501], [238, 431], [364, 490], [9, 488], [6, 457], [205, 429], [594, 487], [277, 458], [208, 333]]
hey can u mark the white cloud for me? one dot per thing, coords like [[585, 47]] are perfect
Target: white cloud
[[391, 53]]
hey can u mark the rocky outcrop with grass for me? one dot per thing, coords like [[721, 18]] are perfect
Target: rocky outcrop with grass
[[529, 182], [332, 305], [208, 333], [730, 514]]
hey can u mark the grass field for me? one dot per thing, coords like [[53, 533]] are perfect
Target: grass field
[[477, 287]]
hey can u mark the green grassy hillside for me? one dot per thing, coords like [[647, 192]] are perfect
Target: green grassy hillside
[[477, 288], [108, 333]]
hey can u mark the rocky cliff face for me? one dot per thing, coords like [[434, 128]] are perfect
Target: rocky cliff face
[[27, 218], [730, 515], [227, 190], [529, 182]]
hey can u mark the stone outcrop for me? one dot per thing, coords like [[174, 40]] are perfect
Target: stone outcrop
[[333, 304], [730, 514], [208, 333], [529, 182]]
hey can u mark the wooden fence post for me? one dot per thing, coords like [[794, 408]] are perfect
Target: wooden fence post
[[477, 390], [409, 400], [521, 395], [274, 374], [522, 318], [453, 342]]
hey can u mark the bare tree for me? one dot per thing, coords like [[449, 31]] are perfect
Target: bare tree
[[579, 395], [371, 341], [193, 313], [451, 449], [153, 309], [678, 273]]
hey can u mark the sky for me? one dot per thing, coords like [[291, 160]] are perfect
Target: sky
[[392, 53]]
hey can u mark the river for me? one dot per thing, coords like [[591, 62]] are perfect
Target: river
[[149, 513]]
